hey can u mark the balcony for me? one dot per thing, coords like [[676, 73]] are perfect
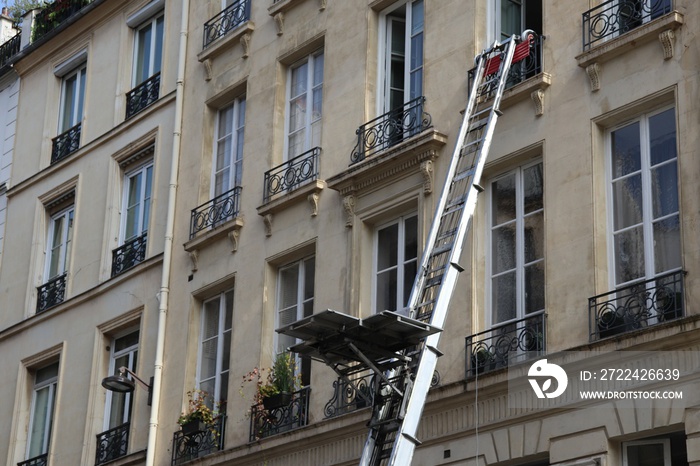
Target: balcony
[[142, 95], [215, 212], [112, 444], [51, 293], [636, 306], [190, 446], [52, 15], [265, 423], [41, 460], [65, 144], [390, 129], [506, 344], [9, 49], [349, 397], [128, 255], [291, 175], [616, 17], [229, 19]]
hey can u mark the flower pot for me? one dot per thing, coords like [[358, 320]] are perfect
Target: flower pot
[[193, 426], [277, 401]]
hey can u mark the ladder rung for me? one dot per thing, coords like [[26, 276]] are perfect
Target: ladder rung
[[441, 250], [434, 281], [472, 143], [463, 175]]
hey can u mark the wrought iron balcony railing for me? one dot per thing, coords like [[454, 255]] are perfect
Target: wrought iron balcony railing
[[142, 95], [636, 306], [615, 17], [530, 66], [264, 423], [229, 19], [215, 212], [506, 344], [131, 253], [112, 444], [190, 446], [10, 48], [350, 397], [41, 460], [390, 129], [65, 143], [291, 174], [51, 293], [54, 14]]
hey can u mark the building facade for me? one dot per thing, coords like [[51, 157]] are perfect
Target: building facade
[[189, 176]]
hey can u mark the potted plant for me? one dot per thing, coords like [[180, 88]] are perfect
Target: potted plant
[[482, 360], [277, 389], [199, 416]]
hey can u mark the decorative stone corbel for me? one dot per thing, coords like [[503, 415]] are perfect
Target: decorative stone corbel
[[207, 69], [313, 200], [245, 43], [322, 5], [426, 169], [666, 38], [279, 22], [267, 220], [194, 258], [233, 239], [537, 97], [349, 206], [593, 72]]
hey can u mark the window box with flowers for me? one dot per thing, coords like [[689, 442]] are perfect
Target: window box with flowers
[[199, 416], [277, 389]]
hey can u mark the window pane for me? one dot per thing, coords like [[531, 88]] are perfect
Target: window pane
[[309, 272], [409, 276], [318, 69], [228, 318], [211, 319], [503, 248], [503, 297], [81, 98], [147, 200], [667, 244], [223, 393], [127, 341], [534, 237], [46, 373], [143, 54], [627, 202], [40, 421], [503, 208], [208, 386], [626, 156], [117, 409], [645, 455], [387, 247], [662, 136], [410, 238], [289, 286], [534, 287], [69, 91], [510, 18], [629, 255], [226, 352], [299, 80], [158, 52], [386, 291], [664, 189], [208, 360], [532, 188]]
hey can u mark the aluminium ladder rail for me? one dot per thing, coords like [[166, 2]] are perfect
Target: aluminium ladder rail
[[397, 410]]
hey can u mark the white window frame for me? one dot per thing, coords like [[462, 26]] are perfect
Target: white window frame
[[662, 441], [145, 170], [401, 261], [312, 61], [65, 247], [51, 384], [383, 85], [520, 263], [236, 133], [152, 67], [132, 354], [647, 214], [78, 101], [221, 349]]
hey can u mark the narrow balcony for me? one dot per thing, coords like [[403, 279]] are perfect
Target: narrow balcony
[[188, 446], [390, 129], [636, 306], [52, 15], [506, 344], [128, 255], [41, 460], [229, 19], [349, 397], [9, 49], [65, 144], [291, 175], [51, 293], [142, 95], [215, 212], [112, 444], [265, 423], [616, 17]]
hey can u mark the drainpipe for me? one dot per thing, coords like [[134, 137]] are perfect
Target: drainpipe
[[168, 240]]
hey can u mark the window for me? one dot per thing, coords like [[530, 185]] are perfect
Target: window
[[215, 348], [72, 99], [42, 410], [228, 166], [401, 55], [124, 351], [137, 202], [295, 300], [305, 95], [633, 13], [515, 16], [148, 53], [396, 262], [655, 452], [60, 242], [516, 236], [643, 193]]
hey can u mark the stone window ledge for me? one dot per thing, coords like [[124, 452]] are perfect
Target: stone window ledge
[[230, 229], [309, 191]]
